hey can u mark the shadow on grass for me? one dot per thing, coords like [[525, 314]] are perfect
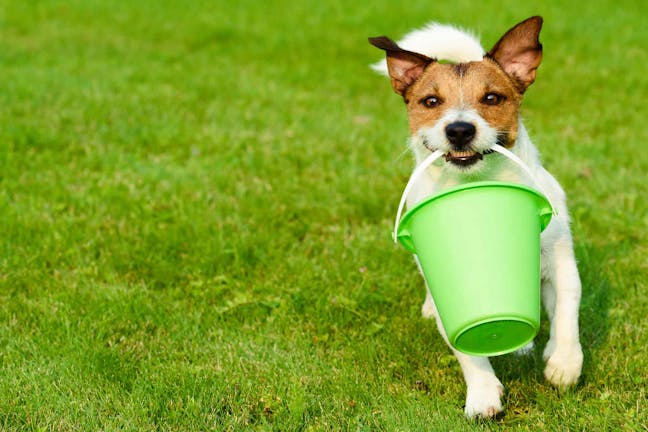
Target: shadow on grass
[[595, 302]]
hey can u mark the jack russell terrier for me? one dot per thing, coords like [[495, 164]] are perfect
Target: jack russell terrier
[[462, 101]]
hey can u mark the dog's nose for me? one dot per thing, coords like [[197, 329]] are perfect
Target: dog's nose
[[460, 133]]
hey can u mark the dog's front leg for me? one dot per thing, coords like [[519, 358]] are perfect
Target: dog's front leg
[[484, 390], [561, 293]]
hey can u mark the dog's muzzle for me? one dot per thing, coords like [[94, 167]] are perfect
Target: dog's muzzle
[[460, 135]]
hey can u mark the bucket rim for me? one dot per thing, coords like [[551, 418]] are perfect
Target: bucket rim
[[476, 185]]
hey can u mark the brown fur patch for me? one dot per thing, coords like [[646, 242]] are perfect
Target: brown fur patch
[[465, 91], [461, 68]]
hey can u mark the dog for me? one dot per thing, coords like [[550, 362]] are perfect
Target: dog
[[462, 100]]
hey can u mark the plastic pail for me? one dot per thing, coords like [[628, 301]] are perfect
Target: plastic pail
[[478, 245]]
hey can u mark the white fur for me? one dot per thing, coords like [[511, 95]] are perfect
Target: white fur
[[441, 42], [561, 287]]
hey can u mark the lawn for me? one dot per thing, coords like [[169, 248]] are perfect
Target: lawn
[[195, 206]]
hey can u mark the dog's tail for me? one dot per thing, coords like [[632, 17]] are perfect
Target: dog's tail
[[441, 42]]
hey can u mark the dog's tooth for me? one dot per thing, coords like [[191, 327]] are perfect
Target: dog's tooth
[[465, 153]]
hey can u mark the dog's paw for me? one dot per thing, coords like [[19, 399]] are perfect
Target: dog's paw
[[564, 366], [483, 401]]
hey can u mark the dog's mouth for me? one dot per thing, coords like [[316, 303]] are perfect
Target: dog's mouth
[[465, 158]]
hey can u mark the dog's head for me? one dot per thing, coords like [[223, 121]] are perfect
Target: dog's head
[[465, 108]]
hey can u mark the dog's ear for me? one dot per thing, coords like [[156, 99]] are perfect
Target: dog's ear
[[405, 67], [519, 52]]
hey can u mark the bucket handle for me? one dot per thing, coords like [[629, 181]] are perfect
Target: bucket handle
[[436, 155]]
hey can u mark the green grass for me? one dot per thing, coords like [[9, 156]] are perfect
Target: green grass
[[195, 204]]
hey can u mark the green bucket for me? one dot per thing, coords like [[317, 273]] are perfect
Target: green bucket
[[478, 245]]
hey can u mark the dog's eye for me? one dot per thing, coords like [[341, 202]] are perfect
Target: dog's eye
[[493, 99], [431, 101]]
